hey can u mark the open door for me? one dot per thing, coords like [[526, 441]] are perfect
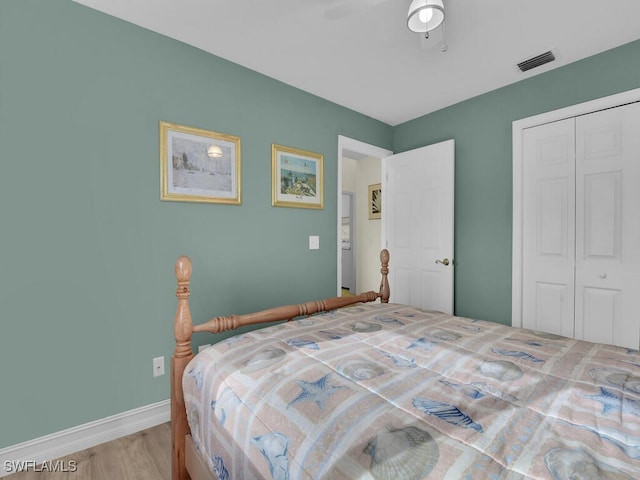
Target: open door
[[417, 225]]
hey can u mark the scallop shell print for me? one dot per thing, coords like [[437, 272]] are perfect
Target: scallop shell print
[[365, 327], [443, 335], [501, 369], [408, 453], [387, 319], [263, 359], [358, 370], [564, 464]]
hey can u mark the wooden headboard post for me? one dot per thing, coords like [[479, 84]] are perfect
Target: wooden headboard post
[[182, 329]]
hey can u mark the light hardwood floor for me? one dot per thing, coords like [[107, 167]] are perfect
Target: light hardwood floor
[[144, 455]]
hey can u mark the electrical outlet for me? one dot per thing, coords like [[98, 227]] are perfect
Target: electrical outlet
[[158, 366]]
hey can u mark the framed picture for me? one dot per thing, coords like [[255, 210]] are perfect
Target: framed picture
[[375, 201], [198, 165], [297, 177]]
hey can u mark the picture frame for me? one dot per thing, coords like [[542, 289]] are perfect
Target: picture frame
[[297, 177], [375, 201], [198, 165]]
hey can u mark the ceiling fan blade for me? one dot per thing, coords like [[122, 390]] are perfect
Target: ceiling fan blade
[[349, 7]]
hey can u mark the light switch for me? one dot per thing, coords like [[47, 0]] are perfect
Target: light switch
[[314, 242]]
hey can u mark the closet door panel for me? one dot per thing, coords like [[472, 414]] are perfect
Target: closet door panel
[[601, 309], [548, 227], [608, 226]]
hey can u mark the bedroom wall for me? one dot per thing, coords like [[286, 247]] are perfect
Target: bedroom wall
[[482, 130], [357, 175], [369, 231], [88, 249]]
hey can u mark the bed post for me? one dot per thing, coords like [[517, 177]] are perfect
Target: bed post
[[182, 329], [385, 291]]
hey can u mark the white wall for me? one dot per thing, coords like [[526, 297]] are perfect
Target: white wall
[[357, 175]]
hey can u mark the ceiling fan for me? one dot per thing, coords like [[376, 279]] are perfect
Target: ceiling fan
[[423, 16]]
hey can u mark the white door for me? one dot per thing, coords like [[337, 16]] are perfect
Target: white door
[[548, 226], [417, 225], [581, 227], [608, 226]]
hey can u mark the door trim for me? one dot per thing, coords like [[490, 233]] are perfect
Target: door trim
[[365, 149], [518, 128]]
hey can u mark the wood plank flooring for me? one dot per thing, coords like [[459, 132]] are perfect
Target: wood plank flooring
[[144, 455]]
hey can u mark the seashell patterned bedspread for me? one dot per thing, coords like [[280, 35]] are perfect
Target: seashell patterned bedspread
[[385, 391]]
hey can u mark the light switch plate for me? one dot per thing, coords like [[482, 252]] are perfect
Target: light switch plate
[[314, 242], [158, 366]]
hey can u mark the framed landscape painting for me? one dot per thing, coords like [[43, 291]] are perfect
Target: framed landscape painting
[[297, 177], [199, 165]]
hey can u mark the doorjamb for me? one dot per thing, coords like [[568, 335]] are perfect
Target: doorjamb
[[518, 128], [350, 144]]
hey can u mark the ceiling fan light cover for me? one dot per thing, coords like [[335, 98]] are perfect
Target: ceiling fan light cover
[[425, 15]]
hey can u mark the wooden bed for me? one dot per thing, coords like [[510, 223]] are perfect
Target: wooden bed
[[383, 391], [185, 463]]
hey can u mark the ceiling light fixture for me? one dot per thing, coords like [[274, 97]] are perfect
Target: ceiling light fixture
[[425, 15], [214, 151]]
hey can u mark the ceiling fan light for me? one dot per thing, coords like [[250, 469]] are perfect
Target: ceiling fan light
[[425, 15]]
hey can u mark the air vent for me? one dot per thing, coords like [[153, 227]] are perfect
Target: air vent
[[536, 61]]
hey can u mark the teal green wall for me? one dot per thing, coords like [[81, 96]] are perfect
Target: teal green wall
[[88, 249], [482, 129]]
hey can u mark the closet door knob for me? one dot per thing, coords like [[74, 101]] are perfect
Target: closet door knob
[[603, 275], [444, 262]]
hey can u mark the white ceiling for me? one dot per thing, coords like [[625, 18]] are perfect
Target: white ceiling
[[368, 61]]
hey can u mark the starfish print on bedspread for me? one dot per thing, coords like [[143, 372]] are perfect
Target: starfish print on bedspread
[[318, 391]]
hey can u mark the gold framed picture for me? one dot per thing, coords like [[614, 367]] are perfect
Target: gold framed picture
[[375, 201], [297, 177], [198, 165]]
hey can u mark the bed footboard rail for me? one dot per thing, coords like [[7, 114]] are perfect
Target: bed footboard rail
[[183, 329]]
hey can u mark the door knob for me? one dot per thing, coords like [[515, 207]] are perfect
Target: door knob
[[444, 262]]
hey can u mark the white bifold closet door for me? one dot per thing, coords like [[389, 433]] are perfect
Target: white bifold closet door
[[581, 227]]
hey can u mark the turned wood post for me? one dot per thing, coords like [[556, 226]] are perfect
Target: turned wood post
[[385, 291], [182, 329]]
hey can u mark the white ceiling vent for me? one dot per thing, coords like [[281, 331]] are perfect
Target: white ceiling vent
[[536, 61]]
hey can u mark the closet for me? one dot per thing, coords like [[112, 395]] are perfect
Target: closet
[[581, 226]]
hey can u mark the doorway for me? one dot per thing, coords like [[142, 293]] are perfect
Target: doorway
[[359, 165], [348, 244]]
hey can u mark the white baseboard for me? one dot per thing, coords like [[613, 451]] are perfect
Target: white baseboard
[[75, 439]]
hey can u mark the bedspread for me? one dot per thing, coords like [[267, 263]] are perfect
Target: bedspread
[[387, 391]]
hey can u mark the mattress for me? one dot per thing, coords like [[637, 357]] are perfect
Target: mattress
[[386, 391]]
